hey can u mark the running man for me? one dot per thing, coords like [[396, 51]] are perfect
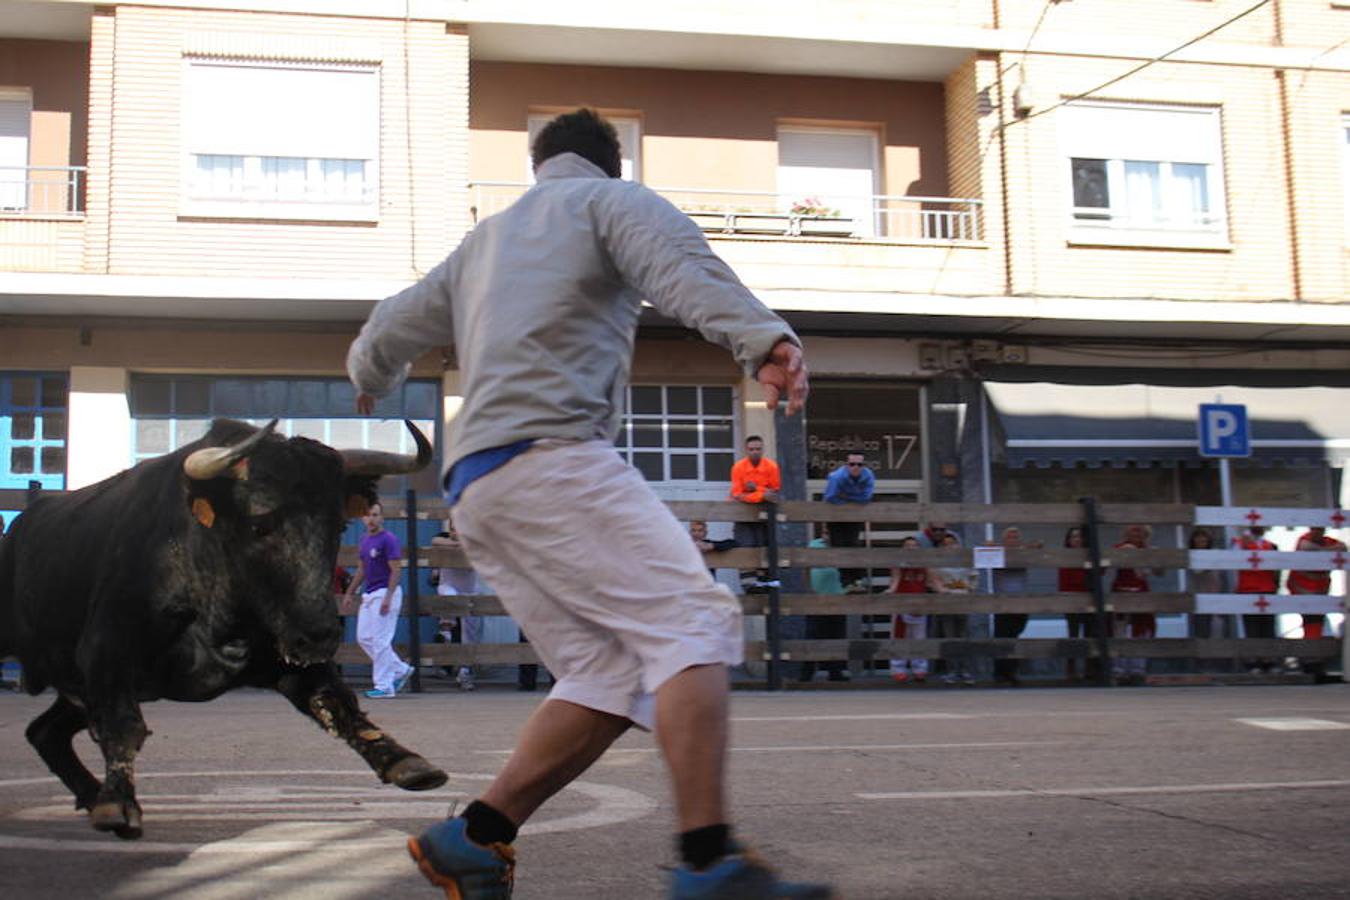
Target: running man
[[541, 303]]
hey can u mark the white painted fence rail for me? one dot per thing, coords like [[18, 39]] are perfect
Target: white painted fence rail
[[1271, 516], [1267, 604], [1266, 560]]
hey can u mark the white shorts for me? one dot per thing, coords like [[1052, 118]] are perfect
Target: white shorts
[[601, 577]]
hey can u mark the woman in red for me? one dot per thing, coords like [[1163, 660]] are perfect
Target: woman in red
[[1313, 582], [1258, 581], [1072, 581], [1134, 625], [913, 627]]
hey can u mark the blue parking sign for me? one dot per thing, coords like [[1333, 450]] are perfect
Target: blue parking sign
[[1223, 430]]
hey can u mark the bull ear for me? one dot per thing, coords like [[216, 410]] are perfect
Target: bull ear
[[203, 511]]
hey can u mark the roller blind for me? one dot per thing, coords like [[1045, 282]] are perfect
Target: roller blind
[[836, 167], [257, 109], [15, 115], [1107, 131]]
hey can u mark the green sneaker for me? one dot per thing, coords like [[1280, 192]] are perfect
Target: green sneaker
[[741, 876], [465, 870]]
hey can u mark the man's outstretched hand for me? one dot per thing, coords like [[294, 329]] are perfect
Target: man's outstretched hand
[[365, 404], [784, 372]]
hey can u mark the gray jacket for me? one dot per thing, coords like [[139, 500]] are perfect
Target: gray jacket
[[541, 302]]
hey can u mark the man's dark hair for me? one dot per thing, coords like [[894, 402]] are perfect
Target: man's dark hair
[[584, 133], [753, 437]]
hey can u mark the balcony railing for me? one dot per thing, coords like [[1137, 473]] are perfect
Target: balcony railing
[[41, 191], [876, 217]]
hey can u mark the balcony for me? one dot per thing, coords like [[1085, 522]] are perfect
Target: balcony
[[874, 218], [41, 218]]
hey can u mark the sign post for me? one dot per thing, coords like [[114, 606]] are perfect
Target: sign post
[[1223, 434]]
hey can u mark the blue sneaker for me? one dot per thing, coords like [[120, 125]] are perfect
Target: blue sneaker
[[402, 681], [465, 870], [741, 876], [377, 694]]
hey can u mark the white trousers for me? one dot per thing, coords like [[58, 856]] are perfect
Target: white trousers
[[914, 628], [375, 634], [598, 573]]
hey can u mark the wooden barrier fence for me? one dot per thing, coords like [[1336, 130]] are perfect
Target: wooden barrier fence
[[775, 653], [1097, 558]]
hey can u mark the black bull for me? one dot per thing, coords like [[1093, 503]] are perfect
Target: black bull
[[191, 574]]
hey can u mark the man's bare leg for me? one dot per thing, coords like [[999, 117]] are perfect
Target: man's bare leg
[[691, 727], [559, 742]]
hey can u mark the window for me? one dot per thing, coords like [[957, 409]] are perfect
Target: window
[[16, 107], [277, 140], [678, 432], [169, 411], [832, 172], [33, 430], [630, 143], [1144, 168]]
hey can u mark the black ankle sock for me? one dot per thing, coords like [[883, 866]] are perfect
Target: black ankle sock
[[486, 825], [703, 846]]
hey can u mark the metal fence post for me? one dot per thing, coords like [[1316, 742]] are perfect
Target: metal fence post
[[34, 489], [414, 598], [773, 620], [1092, 540]]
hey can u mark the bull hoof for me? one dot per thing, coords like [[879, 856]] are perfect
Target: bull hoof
[[413, 773], [122, 819]]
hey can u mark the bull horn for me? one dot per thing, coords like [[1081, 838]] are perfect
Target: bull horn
[[378, 462], [213, 462]]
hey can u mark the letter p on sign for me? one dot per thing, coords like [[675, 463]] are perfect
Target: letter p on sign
[[1223, 430]]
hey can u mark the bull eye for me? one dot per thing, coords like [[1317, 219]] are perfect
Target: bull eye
[[262, 526]]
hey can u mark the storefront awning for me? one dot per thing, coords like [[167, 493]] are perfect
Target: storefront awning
[[1043, 424]]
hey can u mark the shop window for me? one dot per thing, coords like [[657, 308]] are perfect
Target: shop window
[[170, 411], [32, 430], [678, 433]]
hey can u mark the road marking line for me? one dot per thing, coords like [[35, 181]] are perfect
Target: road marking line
[[1295, 723], [861, 717], [1106, 791], [827, 748], [610, 805]]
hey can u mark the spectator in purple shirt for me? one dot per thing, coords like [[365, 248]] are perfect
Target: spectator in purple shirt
[[381, 601]]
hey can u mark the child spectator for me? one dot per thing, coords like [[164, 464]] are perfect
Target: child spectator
[[908, 626], [1081, 625], [953, 580]]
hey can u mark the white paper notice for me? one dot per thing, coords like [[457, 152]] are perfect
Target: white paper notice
[[990, 558]]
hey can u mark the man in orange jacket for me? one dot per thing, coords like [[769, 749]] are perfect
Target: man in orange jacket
[[755, 479]]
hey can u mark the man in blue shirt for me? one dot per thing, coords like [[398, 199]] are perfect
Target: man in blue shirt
[[852, 482]]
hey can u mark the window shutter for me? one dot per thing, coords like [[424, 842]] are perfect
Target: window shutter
[[1104, 131], [254, 109]]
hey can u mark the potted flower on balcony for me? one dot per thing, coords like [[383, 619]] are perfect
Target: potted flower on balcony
[[810, 215]]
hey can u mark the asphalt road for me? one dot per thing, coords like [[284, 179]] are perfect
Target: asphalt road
[[1198, 792]]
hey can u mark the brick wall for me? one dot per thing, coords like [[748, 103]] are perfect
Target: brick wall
[[1256, 265], [136, 150]]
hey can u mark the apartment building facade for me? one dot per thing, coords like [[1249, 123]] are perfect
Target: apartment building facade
[[1015, 272]]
